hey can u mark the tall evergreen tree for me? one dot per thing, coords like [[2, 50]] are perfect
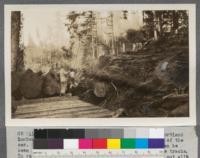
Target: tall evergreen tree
[[17, 50]]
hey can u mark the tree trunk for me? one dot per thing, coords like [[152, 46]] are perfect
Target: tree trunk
[[155, 26], [155, 35], [112, 32], [15, 38], [175, 22]]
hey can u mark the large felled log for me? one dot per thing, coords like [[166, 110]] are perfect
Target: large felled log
[[103, 60], [15, 85], [51, 85], [15, 80], [31, 85], [173, 101], [100, 89], [180, 111], [176, 70], [143, 80], [13, 106]]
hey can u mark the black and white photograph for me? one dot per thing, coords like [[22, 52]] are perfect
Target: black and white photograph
[[100, 63]]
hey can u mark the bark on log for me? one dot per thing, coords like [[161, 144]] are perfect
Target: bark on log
[[15, 85], [51, 85], [173, 101], [100, 89], [31, 85], [180, 111]]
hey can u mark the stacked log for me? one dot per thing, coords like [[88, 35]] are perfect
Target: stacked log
[[51, 85], [15, 85], [31, 85], [149, 82]]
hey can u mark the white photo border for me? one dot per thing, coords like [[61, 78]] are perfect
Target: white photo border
[[97, 122]]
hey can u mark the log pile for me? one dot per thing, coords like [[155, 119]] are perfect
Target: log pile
[[149, 83], [30, 85]]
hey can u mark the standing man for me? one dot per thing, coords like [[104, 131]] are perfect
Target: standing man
[[71, 81], [63, 81]]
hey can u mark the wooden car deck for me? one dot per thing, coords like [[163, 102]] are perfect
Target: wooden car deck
[[59, 107]]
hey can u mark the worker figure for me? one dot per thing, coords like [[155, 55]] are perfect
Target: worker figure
[[63, 81], [55, 72], [71, 80]]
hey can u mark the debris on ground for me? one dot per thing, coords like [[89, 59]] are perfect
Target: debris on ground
[[152, 82], [138, 82]]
